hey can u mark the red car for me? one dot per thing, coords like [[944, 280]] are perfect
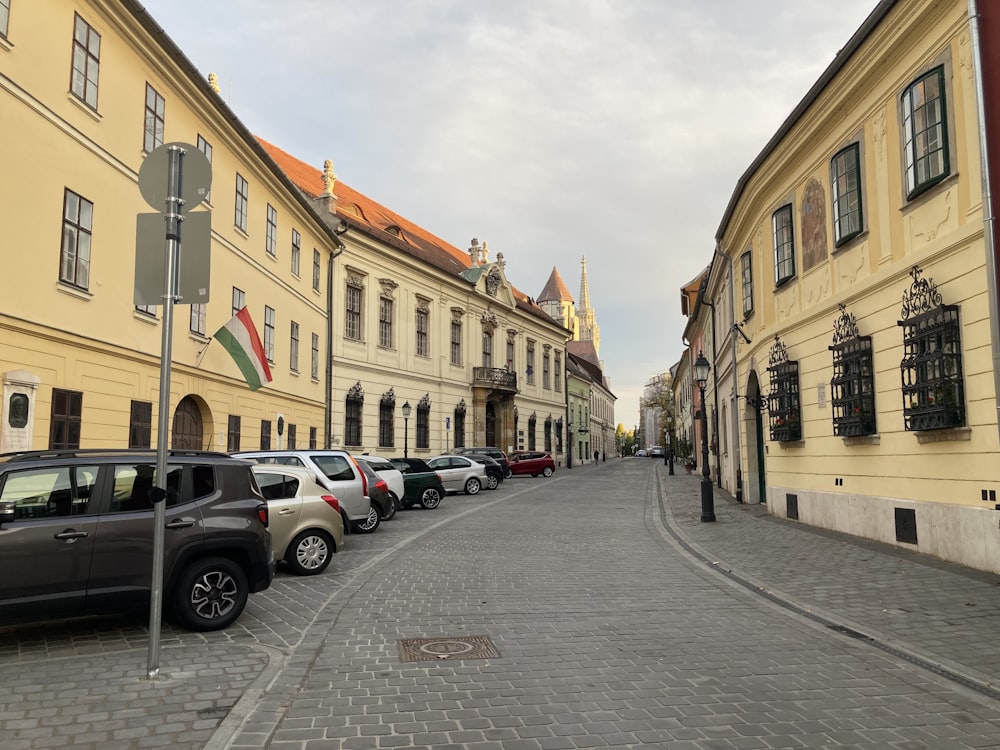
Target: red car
[[532, 462]]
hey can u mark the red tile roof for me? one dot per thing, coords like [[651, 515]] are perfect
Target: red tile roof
[[389, 227]]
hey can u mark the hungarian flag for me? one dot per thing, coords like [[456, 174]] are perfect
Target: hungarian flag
[[242, 342]]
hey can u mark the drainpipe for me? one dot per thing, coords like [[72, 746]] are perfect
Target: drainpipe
[[988, 219], [328, 400], [736, 377]]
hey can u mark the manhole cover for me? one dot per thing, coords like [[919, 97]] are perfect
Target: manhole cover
[[435, 649]]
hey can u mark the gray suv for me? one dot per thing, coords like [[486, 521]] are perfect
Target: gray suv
[[338, 472], [76, 534]]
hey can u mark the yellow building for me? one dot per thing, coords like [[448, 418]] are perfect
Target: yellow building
[[90, 88], [861, 268], [361, 312]]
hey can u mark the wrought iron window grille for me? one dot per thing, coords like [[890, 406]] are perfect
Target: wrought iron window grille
[[852, 390], [783, 401], [931, 368]]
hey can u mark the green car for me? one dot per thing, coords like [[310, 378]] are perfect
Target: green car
[[422, 485]]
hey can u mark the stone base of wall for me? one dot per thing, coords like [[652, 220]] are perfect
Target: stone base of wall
[[962, 534]]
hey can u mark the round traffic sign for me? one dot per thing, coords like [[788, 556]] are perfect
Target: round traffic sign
[[195, 176]]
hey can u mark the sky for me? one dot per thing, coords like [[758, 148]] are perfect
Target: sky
[[554, 130]]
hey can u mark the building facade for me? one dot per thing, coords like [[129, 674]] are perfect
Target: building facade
[[860, 250]]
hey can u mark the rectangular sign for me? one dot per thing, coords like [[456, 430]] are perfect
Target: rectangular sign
[[193, 272]]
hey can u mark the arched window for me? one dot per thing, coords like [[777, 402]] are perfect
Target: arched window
[[424, 422], [353, 405]]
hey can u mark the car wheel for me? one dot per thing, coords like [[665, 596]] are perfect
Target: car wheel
[[509, 474], [210, 594], [309, 553], [369, 524], [393, 507], [547, 471], [492, 482], [473, 486], [430, 498]]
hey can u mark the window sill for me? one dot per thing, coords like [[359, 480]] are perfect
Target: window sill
[[145, 317], [83, 106], [73, 291], [863, 440], [949, 434], [5, 43], [241, 231]]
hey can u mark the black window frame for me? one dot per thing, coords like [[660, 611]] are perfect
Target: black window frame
[[423, 436], [85, 63], [265, 434], [353, 301], [66, 419], [154, 119], [422, 324], [78, 234], [270, 324], [387, 421], [746, 283], [852, 388], [456, 343], [242, 206], [784, 400], [293, 346], [783, 237], [916, 106], [296, 252], [353, 410], [846, 194], [233, 428], [271, 233], [140, 424]]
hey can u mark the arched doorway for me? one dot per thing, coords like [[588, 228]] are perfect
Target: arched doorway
[[756, 484], [491, 424], [188, 431]]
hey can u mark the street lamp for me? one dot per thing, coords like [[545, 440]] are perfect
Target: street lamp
[[701, 368], [406, 429]]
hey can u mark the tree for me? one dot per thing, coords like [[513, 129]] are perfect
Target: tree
[[659, 395]]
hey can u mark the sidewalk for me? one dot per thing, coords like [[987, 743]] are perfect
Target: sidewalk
[[942, 616]]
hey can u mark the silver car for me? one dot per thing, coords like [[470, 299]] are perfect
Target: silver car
[[337, 471], [305, 523], [459, 474]]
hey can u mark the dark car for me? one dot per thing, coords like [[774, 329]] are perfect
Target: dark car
[[533, 463], [76, 534], [378, 490], [422, 484], [488, 450], [494, 471]]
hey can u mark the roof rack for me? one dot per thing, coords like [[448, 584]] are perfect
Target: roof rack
[[96, 452]]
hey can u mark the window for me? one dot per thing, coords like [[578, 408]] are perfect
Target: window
[[424, 423], [153, 130], [296, 251], [456, 342], [931, 368], [487, 349], [530, 369], [271, 241], [784, 246], [242, 201], [74, 260], [86, 57], [352, 416], [460, 425], [386, 421], [233, 434], [510, 354], [385, 322], [545, 370], [66, 420], [352, 322], [265, 434], [547, 432], [314, 366], [558, 372], [559, 435], [925, 133], [531, 432], [313, 438], [845, 178], [206, 148], [746, 281], [269, 333], [852, 389], [316, 270], [239, 300], [292, 433], [783, 404], [146, 310], [198, 318], [140, 424], [423, 344], [293, 347], [54, 492]]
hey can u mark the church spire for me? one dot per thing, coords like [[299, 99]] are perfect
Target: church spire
[[584, 288]]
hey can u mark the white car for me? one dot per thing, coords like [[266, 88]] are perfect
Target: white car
[[392, 476], [459, 474]]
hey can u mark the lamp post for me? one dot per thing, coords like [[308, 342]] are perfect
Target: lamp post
[[701, 368], [406, 429]]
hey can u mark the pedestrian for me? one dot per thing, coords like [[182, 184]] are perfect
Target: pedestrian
[[597, 455]]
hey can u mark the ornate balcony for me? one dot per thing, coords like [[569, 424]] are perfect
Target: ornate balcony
[[497, 378]]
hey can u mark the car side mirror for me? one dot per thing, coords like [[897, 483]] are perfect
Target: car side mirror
[[7, 510]]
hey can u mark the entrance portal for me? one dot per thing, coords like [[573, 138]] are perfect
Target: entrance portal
[[188, 431]]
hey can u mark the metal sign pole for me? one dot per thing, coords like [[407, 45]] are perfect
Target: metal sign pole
[[173, 217]]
